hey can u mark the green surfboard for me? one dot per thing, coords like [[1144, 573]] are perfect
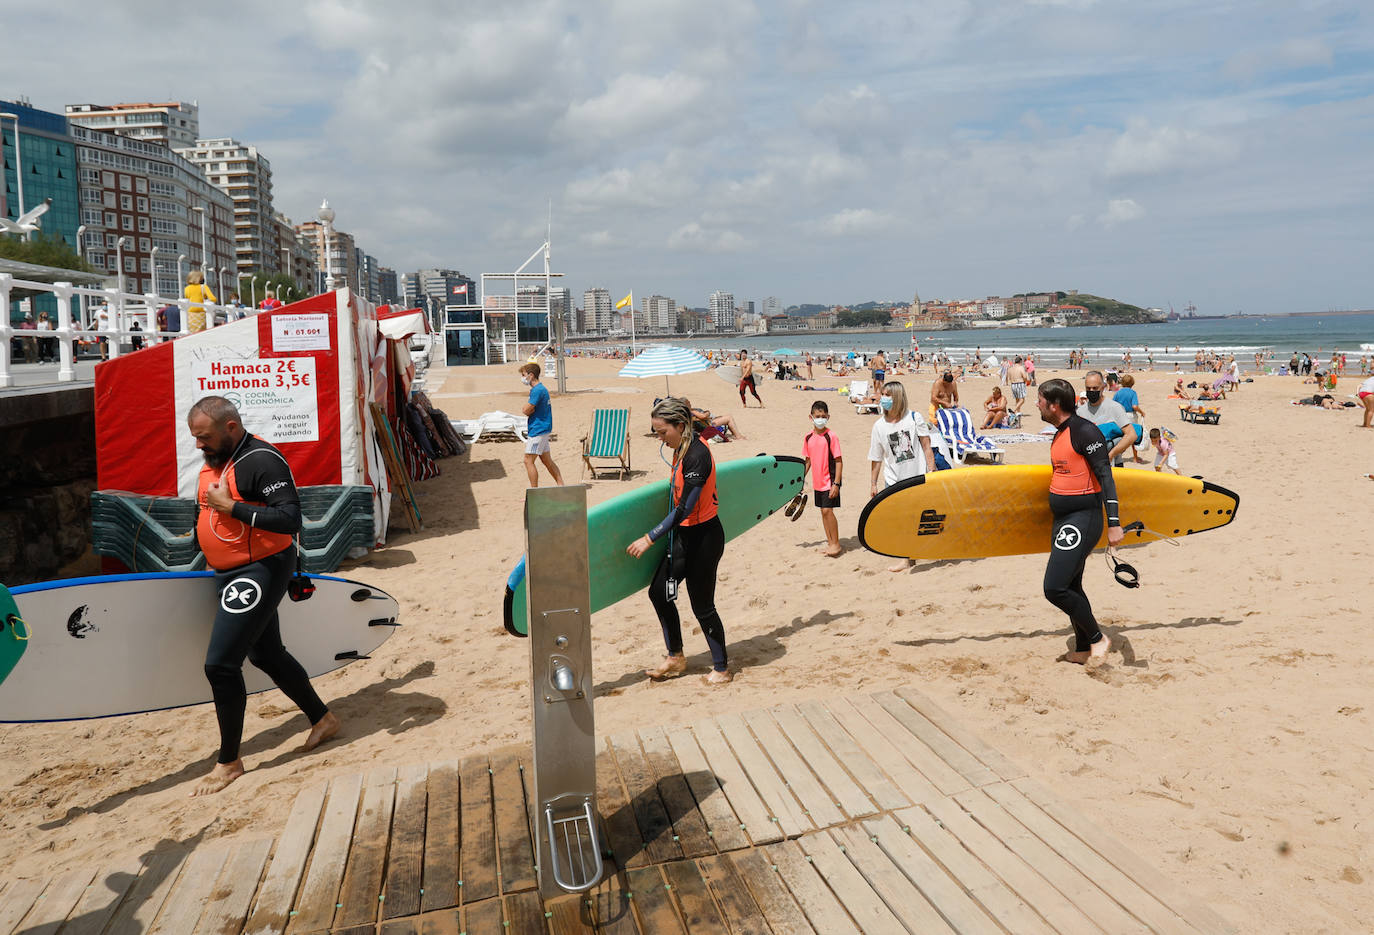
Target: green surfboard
[[14, 634], [748, 490]]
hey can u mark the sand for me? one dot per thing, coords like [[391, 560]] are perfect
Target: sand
[[1228, 741]]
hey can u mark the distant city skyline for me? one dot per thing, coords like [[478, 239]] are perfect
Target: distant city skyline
[[1213, 152]]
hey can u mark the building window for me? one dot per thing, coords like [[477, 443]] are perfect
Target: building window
[[143, 225], [109, 198], [126, 183], [128, 264], [141, 186], [109, 240], [110, 219], [127, 223], [108, 178], [126, 202], [143, 245], [143, 206]]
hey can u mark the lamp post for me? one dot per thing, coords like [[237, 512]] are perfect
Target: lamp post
[[181, 277], [219, 279], [153, 261], [18, 167], [253, 284], [119, 269], [204, 255], [286, 264], [81, 243], [326, 216]]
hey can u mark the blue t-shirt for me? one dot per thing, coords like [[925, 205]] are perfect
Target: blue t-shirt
[[541, 420], [1128, 398]]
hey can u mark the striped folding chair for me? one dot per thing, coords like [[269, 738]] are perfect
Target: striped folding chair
[[609, 440], [956, 425]]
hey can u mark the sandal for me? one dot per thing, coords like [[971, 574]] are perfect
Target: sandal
[[795, 504], [801, 505], [670, 668], [716, 679]]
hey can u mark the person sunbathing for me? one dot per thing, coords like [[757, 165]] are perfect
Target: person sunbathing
[[709, 426], [1179, 392], [996, 408]]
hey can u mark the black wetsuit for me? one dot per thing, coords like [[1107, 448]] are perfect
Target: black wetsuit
[[694, 553], [1079, 487], [246, 624]]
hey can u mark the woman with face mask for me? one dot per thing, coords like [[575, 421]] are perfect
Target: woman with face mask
[[899, 447]]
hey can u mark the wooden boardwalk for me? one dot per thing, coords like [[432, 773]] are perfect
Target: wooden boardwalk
[[874, 813]]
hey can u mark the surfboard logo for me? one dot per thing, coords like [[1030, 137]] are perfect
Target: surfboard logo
[[1067, 538], [240, 596], [931, 523], [79, 623]]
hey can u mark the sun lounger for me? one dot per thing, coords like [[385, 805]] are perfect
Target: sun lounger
[[609, 440], [493, 426], [859, 395], [956, 425], [1203, 414]]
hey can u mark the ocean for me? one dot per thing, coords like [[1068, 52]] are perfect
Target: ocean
[[1168, 342]]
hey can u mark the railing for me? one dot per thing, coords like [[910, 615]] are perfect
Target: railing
[[124, 308]]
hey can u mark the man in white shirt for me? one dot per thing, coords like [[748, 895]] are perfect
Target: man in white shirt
[[1101, 410]]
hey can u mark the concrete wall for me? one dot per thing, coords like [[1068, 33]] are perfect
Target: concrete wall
[[47, 473]]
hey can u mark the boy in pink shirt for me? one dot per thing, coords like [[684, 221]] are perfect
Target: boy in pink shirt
[[821, 447]]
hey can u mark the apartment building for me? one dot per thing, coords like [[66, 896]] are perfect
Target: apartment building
[[722, 306], [246, 176], [172, 124], [597, 309]]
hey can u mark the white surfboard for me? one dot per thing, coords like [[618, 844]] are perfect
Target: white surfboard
[[730, 373], [124, 644]]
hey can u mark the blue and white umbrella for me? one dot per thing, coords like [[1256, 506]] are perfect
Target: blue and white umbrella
[[786, 352], [663, 360]]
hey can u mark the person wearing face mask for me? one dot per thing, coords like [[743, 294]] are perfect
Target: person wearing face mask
[[899, 447], [696, 542], [1108, 415], [821, 448], [539, 410], [944, 393]]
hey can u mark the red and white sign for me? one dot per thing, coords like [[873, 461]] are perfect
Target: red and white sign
[[461, 290]]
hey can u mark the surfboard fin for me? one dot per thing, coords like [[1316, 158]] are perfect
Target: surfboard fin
[[506, 613], [384, 622], [350, 655]]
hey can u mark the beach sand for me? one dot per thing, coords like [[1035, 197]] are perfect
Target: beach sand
[[1228, 741]]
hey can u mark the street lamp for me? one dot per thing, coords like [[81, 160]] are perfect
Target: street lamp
[[204, 254], [18, 168], [119, 269], [219, 279], [80, 243], [286, 265], [326, 216], [153, 261], [181, 277], [253, 284]]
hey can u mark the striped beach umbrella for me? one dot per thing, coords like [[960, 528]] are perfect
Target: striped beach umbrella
[[664, 360]]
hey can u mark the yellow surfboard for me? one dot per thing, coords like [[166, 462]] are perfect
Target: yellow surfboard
[[980, 512]]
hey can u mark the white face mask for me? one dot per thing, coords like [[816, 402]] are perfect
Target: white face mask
[[820, 422], [525, 379]]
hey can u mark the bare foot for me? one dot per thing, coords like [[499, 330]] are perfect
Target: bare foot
[[1076, 658], [323, 729], [1098, 653], [670, 668], [718, 678], [901, 566], [220, 776], [835, 552]]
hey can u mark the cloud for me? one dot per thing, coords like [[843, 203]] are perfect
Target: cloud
[[1120, 211], [693, 237], [1142, 149], [632, 105], [1297, 52], [857, 221]]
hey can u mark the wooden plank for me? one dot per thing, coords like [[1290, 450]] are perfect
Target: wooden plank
[[401, 892], [754, 817], [943, 776], [1120, 887], [821, 907], [880, 750], [401, 927], [722, 824], [688, 824], [439, 886], [136, 914], [617, 815], [1128, 861], [52, 906], [20, 897], [987, 754], [1053, 906], [770, 894], [816, 802], [612, 907], [483, 918], [943, 892], [193, 888], [443, 922], [737, 906], [949, 752], [395, 466], [654, 906], [854, 892], [791, 818], [655, 828], [478, 880], [319, 893], [277, 894], [99, 902], [512, 821], [844, 791], [359, 897], [860, 765], [232, 895], [699, 910], [886, 879], [524, 914]]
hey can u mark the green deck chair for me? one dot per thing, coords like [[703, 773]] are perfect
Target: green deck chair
[[609, 440]]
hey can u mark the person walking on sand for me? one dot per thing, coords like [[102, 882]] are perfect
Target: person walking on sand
[[898, 447], [821, 450], [1366, 395], [1016, 381], [746, 379], [944, 394], [1081, 485], [248, 513], [539, 410], [696, 542]]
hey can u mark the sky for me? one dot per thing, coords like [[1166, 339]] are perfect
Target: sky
[[1161, 153]]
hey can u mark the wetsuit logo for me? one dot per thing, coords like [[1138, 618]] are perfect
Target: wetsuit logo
[[931, 523], [240, 596], [1067, 538], [79, 623]]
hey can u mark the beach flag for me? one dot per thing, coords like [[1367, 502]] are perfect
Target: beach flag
[[909, 323], [625, 301], [461, 290]]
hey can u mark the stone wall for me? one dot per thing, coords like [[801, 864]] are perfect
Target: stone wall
[[47, 473]]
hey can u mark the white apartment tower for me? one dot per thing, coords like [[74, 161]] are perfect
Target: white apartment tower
[[659, 313], [596, 310], [722, 308], [246, 176], [771, 307], [173, 124]]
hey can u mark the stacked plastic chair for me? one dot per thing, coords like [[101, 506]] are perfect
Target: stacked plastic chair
[[154, 534]]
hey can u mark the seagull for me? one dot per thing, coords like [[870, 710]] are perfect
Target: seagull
[[26, 222]]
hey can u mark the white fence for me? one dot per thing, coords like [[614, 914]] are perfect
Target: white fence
[[124, 309]]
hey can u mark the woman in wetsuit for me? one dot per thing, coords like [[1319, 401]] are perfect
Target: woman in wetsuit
[[1080, 485], [696, 541]]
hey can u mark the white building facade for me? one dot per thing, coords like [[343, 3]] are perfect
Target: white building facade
[[722, 308], [172, 124], [596, 310], [246, 176]]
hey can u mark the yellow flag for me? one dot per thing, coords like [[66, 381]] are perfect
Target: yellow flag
[[625, 301], [908, 324]]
